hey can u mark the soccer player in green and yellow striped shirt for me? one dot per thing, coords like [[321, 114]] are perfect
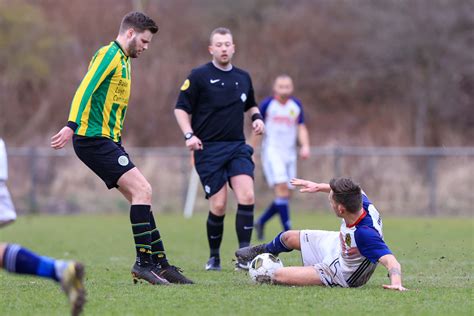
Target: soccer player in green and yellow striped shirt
[[95, 124], [101, 101]]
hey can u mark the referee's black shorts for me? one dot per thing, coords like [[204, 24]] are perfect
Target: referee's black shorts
[[106, 158], [220, 161]]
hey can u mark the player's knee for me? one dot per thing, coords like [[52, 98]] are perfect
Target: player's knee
[[291, 239], [3, 247], [147, 191], [218, 208], [142, 193], [247, 198]]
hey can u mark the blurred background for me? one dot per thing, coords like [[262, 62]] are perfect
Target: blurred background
[[387, 88]]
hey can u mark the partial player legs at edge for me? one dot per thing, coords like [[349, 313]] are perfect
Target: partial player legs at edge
[[70, 274]]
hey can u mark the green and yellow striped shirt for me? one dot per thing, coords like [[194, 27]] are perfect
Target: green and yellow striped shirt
[[101, 101]]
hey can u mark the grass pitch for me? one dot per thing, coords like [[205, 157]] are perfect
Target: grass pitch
[[436, 257]]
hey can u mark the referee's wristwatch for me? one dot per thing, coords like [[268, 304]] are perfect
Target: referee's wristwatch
[[188, 135]]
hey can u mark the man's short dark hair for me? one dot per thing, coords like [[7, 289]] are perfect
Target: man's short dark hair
[[219, 30], [347, 193], [139, 22]]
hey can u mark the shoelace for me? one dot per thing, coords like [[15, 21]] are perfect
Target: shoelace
[[177, 269], [170, 269]]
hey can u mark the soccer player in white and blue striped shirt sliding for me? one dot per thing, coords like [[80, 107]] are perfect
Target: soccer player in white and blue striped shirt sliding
[[344, 258]]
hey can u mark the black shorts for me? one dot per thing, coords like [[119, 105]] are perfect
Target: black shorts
[[219, 161], [106, 158]]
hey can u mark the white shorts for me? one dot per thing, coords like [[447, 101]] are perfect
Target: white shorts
[[278, 167], [321, 249], [7, 210]]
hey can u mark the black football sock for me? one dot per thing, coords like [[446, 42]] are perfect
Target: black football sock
[[244, 224], [215, 229], [158, 254], [140, 219]]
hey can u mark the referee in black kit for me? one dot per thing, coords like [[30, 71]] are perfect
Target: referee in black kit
[[210, 112]]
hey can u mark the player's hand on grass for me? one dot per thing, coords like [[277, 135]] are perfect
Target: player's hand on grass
[[61, 138], [194, 143], [304, 152], [398, 287], [258, 127]]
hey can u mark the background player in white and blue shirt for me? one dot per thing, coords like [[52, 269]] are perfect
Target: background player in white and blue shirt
[[7, 210], [345, 258], [285, 128]]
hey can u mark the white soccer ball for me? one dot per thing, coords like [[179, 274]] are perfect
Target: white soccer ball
[[263, 267]]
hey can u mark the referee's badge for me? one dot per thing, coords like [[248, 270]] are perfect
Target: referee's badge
[[123, 160], [185, 85], [243, 97]]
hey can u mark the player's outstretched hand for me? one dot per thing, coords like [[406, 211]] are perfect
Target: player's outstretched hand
[[395, 287], [308, 186], [258, 127], [194, 143], [61, 138]]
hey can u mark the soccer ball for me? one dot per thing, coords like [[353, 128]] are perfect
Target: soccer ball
[[263, 267]]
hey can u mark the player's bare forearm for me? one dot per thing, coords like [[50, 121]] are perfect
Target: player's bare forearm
[[310, 187], [184, 120], [303, 139], [303, 135], [255, 140], [394, 272]]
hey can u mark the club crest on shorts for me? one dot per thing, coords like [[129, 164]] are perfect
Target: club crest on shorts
[[123, 160], [243, 97], [207, 189]]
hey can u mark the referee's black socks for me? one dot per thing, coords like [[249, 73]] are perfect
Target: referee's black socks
[[140, 219], [157, 249], [215, 229], [244, 224]]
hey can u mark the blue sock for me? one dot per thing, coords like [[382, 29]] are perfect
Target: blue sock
[[281, 204], [22, 261], [269, 212], [276, 246]]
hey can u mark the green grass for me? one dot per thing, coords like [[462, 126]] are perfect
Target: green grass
[[436, 256]]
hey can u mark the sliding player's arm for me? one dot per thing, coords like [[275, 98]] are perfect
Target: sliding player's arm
[[394, 272], [371, 245], [309, 186]]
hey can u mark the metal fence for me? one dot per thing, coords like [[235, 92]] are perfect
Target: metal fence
[[399, 180]]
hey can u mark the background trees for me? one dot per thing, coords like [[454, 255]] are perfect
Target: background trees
[[384, 72]]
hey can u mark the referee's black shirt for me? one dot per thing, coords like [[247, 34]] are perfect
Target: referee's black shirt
[[217, 100]]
